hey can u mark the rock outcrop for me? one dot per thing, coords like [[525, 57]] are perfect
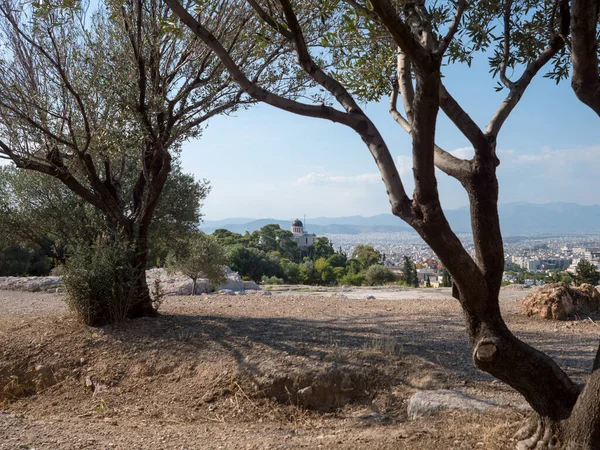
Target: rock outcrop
[[558, 301], [31, 284], [177, 284], [172, 284]]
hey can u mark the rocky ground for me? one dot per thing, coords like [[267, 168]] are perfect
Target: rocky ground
[[300, 368]]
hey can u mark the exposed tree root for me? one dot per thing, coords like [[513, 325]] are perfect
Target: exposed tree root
[[537, 434]]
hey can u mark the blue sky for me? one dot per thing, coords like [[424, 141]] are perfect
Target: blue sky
[[269, 163]]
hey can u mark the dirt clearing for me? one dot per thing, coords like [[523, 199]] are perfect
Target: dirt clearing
[[289, 370]]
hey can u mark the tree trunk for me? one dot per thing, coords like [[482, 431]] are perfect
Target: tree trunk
[[146, 194], [582, 429], [194, 281], [142, 302]]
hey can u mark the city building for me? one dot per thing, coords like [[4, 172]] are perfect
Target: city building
[[301, 237]]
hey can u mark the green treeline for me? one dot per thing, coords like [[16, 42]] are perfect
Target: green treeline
[[270, 255]]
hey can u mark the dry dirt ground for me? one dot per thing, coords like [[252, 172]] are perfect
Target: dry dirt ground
[[223, 372]]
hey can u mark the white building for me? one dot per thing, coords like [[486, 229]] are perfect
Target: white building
[[301, 237]]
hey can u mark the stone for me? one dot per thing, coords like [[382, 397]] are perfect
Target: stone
[[558, 301], [251, 286], [424, 403], [371, 297], [225, 292], [305, 392], [267, 293]]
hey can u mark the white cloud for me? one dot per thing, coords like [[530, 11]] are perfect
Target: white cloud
[[404, 165], [321, 178], [463, 152], [564, 158]]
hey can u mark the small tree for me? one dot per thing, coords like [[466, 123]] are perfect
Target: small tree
[[415, 276], [377, 275], [587, 273], [446, 280], [408, 271], [199, 255], [367, 255]]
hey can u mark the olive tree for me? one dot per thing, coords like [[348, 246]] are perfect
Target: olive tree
[[39, 210], [84, 94], [423, 37], [197, 255]]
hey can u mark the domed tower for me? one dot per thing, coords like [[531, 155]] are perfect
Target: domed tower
[[297, 227]]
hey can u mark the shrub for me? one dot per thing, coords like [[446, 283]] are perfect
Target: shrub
[[100, 281], [271, 280], [157, 293], [353, 279], [377, 275], [58, 270]]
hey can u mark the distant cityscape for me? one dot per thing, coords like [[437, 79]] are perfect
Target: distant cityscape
[[533, 254], [538, 238]]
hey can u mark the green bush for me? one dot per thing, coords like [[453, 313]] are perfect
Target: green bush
[[353, 279], [271, 280], [377, 275], [101, 282]]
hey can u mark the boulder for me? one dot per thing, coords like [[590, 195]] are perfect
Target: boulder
[[558, 301], [424, 403], [178, 284], [251, 285]]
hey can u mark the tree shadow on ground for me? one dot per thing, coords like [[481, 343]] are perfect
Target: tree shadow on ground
[[442, 342]]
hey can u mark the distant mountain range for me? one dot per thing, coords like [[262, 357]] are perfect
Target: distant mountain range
[[515, 218]]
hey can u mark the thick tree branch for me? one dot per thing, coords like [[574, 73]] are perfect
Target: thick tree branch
[[462, 120], [354, 119], [406, 84], [58, 172], [253, 89], [425, 109], [584, 52], [518, 87], [403, 37], [313, 70], [447, 163]]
